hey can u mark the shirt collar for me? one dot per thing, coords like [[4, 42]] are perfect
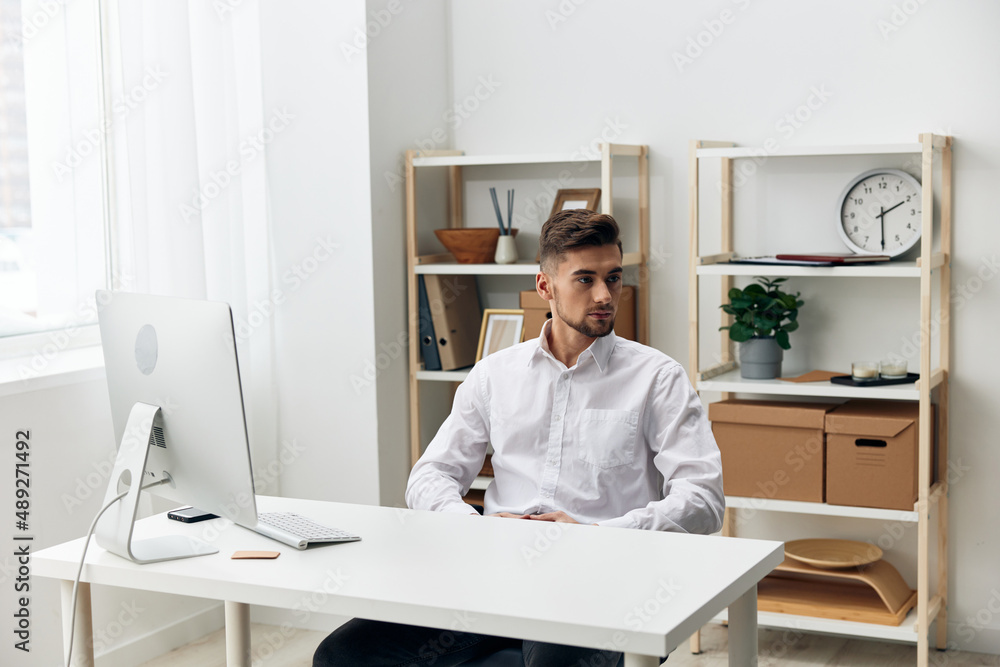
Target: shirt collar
[[600, 349]]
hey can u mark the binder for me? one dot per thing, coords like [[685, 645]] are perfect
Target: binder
[[457, 317], [428, 343]]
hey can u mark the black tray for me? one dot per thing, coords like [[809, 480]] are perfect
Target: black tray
[[851, 382]]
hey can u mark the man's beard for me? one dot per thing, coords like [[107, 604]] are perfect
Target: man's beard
[[595, 329]]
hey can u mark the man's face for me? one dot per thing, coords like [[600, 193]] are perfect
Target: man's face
[[586, 288]]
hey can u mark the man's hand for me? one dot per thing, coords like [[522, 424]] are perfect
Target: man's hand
[[558, 517], [508, 515]]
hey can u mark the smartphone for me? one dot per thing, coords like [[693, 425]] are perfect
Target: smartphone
[[190, 515]]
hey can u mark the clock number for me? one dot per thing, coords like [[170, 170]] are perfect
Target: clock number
[[852, 215], [897, 238], [859, 201], [908, 199], [855, 228], [913, 211], [868, 190], [866, 239], [909, 226], [883, 185]]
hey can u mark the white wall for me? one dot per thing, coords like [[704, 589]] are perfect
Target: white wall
[[570, 69], [408, 90], [318, 173]]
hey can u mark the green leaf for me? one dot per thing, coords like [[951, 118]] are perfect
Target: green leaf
[[728, 309], [791, 326], [742, 303], [740, 332], [754, 289], [782, 338], [735, 293]]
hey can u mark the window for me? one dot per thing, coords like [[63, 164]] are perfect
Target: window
[[52, 229]]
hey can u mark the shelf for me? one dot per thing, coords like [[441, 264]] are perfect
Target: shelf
[[732, 382], [453, 268], [800, 507], [887, 270], [516, 158], [443, 376], [522, 268], [810, 151], [902, 633]]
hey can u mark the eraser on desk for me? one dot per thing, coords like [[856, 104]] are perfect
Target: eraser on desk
[[255, 554]]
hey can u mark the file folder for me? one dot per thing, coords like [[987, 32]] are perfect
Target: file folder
[[428, 343], [456, 315]]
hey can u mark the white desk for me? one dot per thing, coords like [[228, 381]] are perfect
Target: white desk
[[634, 591]]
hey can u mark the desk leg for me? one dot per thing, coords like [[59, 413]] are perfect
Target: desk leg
[[237, 634], [83, 638], [635, 660], [743, 630]]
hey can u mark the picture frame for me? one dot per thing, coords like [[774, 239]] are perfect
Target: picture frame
[[588, 198], [501, 328]]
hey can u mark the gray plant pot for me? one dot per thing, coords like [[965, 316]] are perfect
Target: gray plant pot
[[760, 359]]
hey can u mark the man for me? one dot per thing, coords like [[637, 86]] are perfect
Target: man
[[585, 428]]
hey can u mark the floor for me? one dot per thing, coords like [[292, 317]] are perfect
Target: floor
[[777, 648]]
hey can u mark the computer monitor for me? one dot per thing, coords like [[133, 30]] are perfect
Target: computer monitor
[[177, 407]]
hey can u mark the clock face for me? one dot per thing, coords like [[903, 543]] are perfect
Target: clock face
[[880, 213]]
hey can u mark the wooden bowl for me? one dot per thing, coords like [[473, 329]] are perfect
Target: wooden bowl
[[471, 245]]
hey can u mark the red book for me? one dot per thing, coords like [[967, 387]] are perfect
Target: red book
[[833, 258]]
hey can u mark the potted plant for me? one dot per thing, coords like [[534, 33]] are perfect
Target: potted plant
[[763, 316]]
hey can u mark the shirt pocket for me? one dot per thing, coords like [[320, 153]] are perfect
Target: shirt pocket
[[607, 437]]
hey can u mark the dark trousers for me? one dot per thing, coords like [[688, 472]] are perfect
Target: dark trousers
[[360, 643]]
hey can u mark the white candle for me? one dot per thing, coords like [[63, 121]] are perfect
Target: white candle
[[864, 370]]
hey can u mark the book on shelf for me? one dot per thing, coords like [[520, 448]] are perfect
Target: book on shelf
[[813, 259], [833, 258]]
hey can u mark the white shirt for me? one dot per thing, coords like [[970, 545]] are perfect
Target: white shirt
[[620, 439]]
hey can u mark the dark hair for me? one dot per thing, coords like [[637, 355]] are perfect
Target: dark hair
[[574, 228]]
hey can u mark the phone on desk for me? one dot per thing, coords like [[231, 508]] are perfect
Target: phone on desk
[[190, 515]]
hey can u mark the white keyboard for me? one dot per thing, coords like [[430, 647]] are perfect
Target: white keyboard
[[298, 531]]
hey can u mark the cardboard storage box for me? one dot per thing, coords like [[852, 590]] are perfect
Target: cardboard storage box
[[771, 449], [871, 454], [537, 310]]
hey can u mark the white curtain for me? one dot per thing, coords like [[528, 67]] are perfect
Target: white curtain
[[188, 173]]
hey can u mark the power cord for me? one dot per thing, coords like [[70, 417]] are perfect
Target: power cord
[[83, 557]]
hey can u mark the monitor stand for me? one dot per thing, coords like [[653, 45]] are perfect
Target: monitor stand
[[114, 529]]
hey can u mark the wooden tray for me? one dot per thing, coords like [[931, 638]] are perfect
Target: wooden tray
[[832, 554], [873, 594]]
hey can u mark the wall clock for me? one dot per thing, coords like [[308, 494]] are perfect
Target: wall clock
[[879, 213]]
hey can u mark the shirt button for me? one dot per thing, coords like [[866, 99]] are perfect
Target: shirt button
[[558, 417], [565, 376]]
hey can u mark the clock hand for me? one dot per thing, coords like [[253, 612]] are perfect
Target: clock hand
[[881, 217], [889, 209]]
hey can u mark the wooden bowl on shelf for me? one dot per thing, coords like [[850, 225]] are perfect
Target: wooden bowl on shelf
[[471, 245]]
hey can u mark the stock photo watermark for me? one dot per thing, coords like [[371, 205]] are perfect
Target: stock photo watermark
[[458, 113], [899, 16], [787, 125], [220, 179], [121, 108], [712, 29]]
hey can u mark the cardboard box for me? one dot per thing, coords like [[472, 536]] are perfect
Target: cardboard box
[[871, 454], [771, 449], [537, 310]]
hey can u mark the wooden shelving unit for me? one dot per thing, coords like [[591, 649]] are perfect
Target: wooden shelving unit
[[724, 376], [636, 249]]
